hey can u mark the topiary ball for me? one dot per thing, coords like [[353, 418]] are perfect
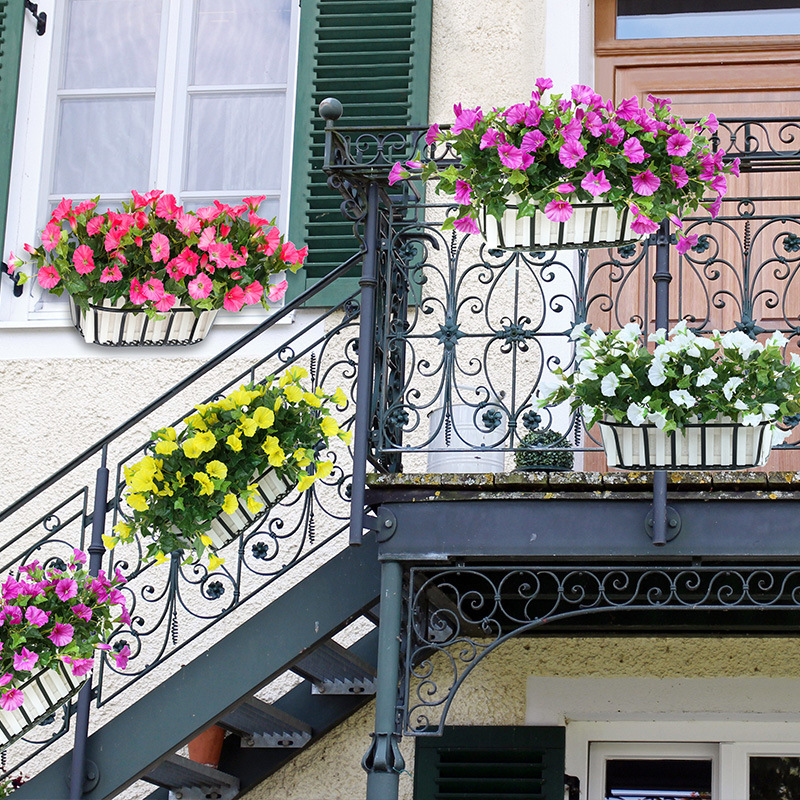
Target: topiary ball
[[529, 459]]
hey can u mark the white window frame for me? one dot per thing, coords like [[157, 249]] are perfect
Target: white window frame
[[32, 164]]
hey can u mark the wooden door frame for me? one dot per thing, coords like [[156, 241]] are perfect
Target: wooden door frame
[[611, 53]]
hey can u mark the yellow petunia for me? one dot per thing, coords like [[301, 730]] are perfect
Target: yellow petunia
[[168, 433], [142, 482], [346, 436], [166, 447], [312, 399], [324, 468], [123, 530], [247, 426], [278, 403], [192, 448], [230, 504], [214, 562], [206, 440], [294, 394], [277, 458], [329, 426], [234, 442], [197, 422], [271, 444], [179, 479], [305, 481], [206, 540], [339, 398], [253, 505], [160, 558], [137, 502], [302, 457], [206, 485], [297, 373], [216, 469], [264, 417], [109, 542]]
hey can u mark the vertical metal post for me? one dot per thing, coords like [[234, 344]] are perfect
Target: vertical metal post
[[383, 761], [366, 360], [662, 278], [96, 552]]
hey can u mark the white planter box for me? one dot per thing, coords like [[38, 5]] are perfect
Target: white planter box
[[44, 693], [722, 444], [591, 225], [271, 489], [110, 325]]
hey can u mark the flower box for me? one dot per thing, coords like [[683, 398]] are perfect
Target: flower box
[[45, 691], [591, 225], [721, 444], [270, 490], [113, 325]]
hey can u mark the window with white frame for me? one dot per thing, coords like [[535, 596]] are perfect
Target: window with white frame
[[191, 96]]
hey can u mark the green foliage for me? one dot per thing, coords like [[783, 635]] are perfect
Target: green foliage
[[528, 458]]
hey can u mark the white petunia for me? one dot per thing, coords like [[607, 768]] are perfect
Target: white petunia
[[751, 419], [659, 336], [706, 376], [636, 414], [740, 405], [705, 343], [587, 368], [578, 331], [680, 330], [658, 418], [630, 333], [609, 384], [777, 340], [770, 410], [656, 374], [730, 387], [739, 340], [626, 371], [687, 370], [682, 398]]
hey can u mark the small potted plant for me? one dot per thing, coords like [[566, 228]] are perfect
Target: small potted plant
[[55, 619], [572, 171], [154, 273], [543, 450], [235, 458], [694, 402]]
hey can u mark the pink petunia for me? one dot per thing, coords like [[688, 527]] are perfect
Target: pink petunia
[[272, 241], [565, 188], [571, 152], [94, 224], [11, 700], [51, 236], [596, 183], [432, 134], [207, 238], [643, 225], [634, 152], [463, 192], [137, 295], [62, 634], [159, 248], [397, 173], [11, 588], [466, 224], [167, 207], [111, 274], [686, 243], [36, 616], [679, 144], [719, 184], [187, 224], [466, 120], [558, 211], [291, 255], [5, 678], [628, 108], [200, 287], [277, 291], [532, 141], [253, 293], [48, 276], [514, 158], [83, 259], [678, 175], [122, 657], [489, 139], [62, 210], [66, 588], [153, 289], [83, 611], [165, 302], [234, 299], [25, 660], [645, 183], [81, 666]]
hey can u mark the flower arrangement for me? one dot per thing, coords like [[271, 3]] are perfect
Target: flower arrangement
[[153, 255], [550, 155], [686, 378], [53, 614], [209, 467], [543, 450]]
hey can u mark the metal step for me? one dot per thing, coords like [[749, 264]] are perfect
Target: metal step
[[262, 725], [332, 669], [188, 780]]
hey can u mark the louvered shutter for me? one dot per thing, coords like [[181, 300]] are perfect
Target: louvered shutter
[[11, 19], [375, 59], [491, 763]]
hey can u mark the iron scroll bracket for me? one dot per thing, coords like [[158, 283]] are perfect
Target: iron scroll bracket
[[39, 16]]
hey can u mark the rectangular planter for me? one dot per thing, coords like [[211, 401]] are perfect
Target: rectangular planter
[[270, 490], [722, 444], [114, 326], [591, 225], [44, 693]]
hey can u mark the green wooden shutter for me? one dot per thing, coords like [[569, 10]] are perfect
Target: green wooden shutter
[[11, 18], [375, 59], [491, 763]]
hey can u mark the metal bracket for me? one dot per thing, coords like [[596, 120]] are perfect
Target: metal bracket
[[384, 523], [4, 270], [41, 18], [673, 523], [91, 777], [573, 787]]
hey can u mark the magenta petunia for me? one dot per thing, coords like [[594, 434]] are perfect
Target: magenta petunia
[[582, 94], [543, 84], [532, 141], [397, 173], [466, 224], [686, 243], [12, 699], [558, 211], [36, 616], [715, 207], [628, 109], [711, 123], [719, 184], [643, 225], [25, 660], [463, 192], [81, 666], [616, 134], [634, 152], [5, 678], [678, 175], [11, 588], [123, 656], [13, 614], [565, 188], [432, 134], [679, 144], [466, 120], [66, 588], [514, 158], [62, 634], [83, 611], [489, 139], [645, 183], [596, 183], [571, 152]]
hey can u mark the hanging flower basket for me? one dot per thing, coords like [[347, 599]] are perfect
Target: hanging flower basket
[[271, 488], [723, 443], [114, 325], [591, 225], [46, 690]]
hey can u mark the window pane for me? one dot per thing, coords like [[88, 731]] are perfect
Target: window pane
[[658, 779], [112, 44], [235, 142], [103, 145], [774, 777], [241, 42]]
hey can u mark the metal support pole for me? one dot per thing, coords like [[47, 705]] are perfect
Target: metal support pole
[[662, 278], [366, 360], [383, 761], [96, 552]]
